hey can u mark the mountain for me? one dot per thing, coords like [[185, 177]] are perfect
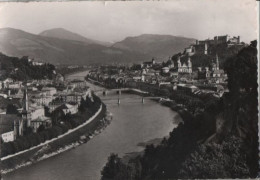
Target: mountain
[[59, 46], [65, 34], [158, 46], [14, 42]]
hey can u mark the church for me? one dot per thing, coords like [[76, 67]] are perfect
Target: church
[[213, 75], [183, 67]]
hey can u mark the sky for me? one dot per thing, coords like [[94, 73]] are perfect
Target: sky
[[113, 21]]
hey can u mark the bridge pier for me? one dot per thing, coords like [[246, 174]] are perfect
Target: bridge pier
[[142, 100], [118, 101], [104, 93], [119, 92]]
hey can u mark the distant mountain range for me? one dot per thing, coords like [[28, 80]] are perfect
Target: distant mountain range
[[60, 46], [65, 34], [158, 46]]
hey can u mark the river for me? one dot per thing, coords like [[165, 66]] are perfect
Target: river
[[133, 123]]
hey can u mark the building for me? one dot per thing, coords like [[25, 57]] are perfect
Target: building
[[187, 88], [190, 50], [170, 63], [78, 83], [74, 97], [183, 67], [215, 75], [42, 100], [26, 115], [220, 40], [6, 82], [15, 85], [68, 108], [64, 109], [9, 126], [59, 78], [50, 91], [165, 70], [32, 115], [148, 64], [36, 123]]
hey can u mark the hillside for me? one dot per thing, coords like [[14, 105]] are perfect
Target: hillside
[[61, 33], [14, 42], [201, 60], [22, 69], [159, 46], [218, 137]]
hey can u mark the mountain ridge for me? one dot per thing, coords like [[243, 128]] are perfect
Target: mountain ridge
[[62, 33], [160, 46], [15, 42]]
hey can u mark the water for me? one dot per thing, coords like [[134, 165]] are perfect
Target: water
[[133, 123]]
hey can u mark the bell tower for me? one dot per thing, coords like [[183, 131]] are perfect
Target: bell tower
[[217, 62], [206, 49], [26, 115], [189, 65]]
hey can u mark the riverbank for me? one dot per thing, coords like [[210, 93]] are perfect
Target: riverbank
[[73, 138]]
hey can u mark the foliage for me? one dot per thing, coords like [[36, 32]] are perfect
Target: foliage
[[202, 60], [198, 148], [68, 121], [22, 69], [11, 109]]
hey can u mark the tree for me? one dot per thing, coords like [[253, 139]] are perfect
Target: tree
[[11, 109], [41, 128], [112, 168], [82, 106], [242, 84], [241, 103]]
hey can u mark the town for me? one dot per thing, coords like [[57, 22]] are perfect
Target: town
[[176, 73], [33, 108], [42, 110], [34, 105]]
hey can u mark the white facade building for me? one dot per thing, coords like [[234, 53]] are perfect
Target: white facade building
[[184, 68], [8, 136]]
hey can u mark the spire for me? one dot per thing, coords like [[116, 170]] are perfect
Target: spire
[[206, 49], [189, 62], [217, 63], [25, 101], [179, 61]]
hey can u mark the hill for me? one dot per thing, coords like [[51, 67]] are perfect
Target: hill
[[158, 46], [23, 69], [218, 137], [65, 34], [14, 42], [223, 51]]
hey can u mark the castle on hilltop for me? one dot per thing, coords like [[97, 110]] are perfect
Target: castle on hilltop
[[220, 40], [201, 47]]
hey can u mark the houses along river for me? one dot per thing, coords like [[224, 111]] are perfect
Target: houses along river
[[133, 123]]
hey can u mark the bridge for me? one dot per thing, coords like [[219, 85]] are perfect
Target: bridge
[[72, 77], [118, 91], [130, 99]]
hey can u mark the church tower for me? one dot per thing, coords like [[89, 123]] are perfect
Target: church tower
[[217, 62], [179, 64], [26, 116], [206, 49], [189, 65], [179, 61]]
